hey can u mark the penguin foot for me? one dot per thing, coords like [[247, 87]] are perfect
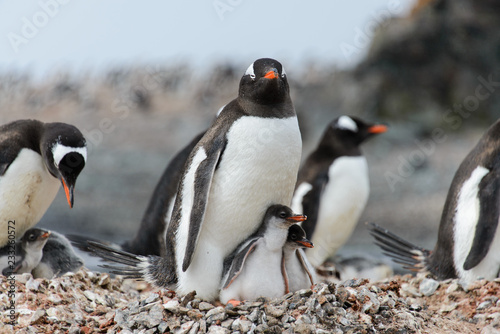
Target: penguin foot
[[234, 302]]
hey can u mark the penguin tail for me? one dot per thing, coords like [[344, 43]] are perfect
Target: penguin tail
[[81, 242], [153, 269], [403, 252]]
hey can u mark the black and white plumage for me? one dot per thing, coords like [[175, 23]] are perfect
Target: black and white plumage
[[299, 272], [246, 161], [35, 158], [150, 237], [257, 267], [333, 186], [58, 258], [468, 245], [25, 254]]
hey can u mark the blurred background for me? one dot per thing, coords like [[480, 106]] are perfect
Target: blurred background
[[141, 79]]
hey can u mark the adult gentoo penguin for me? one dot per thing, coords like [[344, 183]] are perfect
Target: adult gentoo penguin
[[25, 254], [257, 267], [299, 273], [468, 245], [35, 158], [246, 161], [333, 186]]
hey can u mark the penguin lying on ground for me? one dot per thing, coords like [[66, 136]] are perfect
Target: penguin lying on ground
[[468, 245], [332, 187], [35, 158], [150, 237], [299, 272], [25, 254], [257, 267], [58, 258]]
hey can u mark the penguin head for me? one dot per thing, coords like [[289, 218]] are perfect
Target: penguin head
[[35, 238], [265, 82], [64, 150], [297, 237], [352, 130], [282, 216]]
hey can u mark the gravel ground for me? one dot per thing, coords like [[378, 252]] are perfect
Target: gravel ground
[[88, 302]]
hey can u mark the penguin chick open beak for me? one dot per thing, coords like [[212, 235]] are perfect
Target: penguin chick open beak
[[273, 74], [378, 128], [68, 191], [296, 218]]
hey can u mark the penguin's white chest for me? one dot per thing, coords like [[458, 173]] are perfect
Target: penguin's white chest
[[342, 202], [26, 191], [261, 276], [466, 220], [258, 168]]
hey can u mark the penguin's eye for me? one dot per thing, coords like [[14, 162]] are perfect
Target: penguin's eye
[[252, 76], [31, 237], [294, 237], [282, 214]]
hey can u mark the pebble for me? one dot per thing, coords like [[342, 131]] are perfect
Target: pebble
[[428, 286], [204, 306]]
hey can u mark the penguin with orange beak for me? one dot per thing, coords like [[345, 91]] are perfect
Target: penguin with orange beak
[[35, 159]]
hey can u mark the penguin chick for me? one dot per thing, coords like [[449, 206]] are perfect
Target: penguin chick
[[58, 258], [24, 255], [257, 267], [299, 272]]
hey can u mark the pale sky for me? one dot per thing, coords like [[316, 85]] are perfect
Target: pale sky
[[47, 35]]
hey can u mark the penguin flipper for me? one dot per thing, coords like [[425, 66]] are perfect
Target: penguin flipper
[[82, 243], [238, 261], [487, 224], [305, 265], [310, 204], [203, 181]]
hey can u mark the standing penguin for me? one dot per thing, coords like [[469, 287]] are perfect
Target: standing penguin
[[246, 161], [25, 254], [299, 273], [35, 158], [468, 245], [256, 268], [333, 186]]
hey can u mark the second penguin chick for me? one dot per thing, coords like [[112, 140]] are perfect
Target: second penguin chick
[[299, 272], [58, 258], [255, 269], [24, 255]]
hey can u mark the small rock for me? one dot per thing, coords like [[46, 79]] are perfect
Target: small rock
[[172, 306], [428, 286], [185, 328], [155, 316], [448, 308], [484, 305], [254, 315], [32, 284], [39, 314], [194, 329], [204, 306], [152, 298], [274, 311], [216, 314], [103, 279], [89, 295], [54, 298], [452, 287], [227, 323], [187, 298], [218, 330]]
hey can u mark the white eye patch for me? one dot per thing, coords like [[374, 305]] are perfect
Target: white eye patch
[[250, 71], [283, 73], [345, 122], [59, 151]]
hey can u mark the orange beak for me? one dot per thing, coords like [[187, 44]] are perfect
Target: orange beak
[[45, 235], [271, 75], [296, 218], [69, 195], [379, 128], [306, 243]]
